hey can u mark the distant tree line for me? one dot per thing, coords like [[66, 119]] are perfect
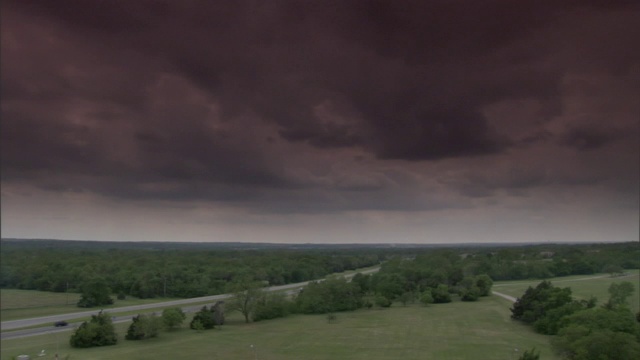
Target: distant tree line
[[406, 272]]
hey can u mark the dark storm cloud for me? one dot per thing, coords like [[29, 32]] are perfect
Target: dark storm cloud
[[104, 91], [589, 138]]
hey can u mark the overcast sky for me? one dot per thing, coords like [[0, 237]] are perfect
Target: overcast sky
[[321, 121]]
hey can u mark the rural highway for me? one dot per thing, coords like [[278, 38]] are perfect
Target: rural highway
[[20, 324]]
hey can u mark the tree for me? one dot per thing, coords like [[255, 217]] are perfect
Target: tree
[[95, 292], [426, 298], [468, 290], [613, 270], [98, 331], [470, 294], [143, 327], [484, 284], [332, 295], [197, 325], [536, 302], [441, 294], [407, 297], [173, 318], [618, 294], [363, 281], [272, 306], [204, 318], [530, 355], [599, 333], [383, 301], [551, 322], [246, 298]]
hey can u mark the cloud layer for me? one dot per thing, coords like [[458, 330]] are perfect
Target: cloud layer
[[287, 113]]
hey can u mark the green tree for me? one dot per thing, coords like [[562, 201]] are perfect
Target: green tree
[[95, 292], [363, 281], [613, 270], [618, 294], [246, 298], [383, 301], [143, 327], [204, 318], [551, 322], [484, 284], [407, 297], [441, 294], [98, 331], [532, 354], [332, 295], [272, 306], [599, 333], [426, 298], [173, 318], [197, 325], [536, 302]]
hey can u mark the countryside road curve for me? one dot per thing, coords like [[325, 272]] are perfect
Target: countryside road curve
[[508, 297], [17, 324]]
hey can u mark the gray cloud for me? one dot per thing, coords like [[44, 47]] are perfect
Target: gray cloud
[[221, 100]]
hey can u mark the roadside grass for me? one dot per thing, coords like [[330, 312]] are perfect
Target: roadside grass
[[582, 286], [25, 304], [451, 331]]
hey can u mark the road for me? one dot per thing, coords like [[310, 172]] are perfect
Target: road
[[508, 297], [19, 324]]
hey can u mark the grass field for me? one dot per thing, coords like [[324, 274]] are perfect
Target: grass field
[[24, 304], [448, 331], [480, 330], [582, 286]]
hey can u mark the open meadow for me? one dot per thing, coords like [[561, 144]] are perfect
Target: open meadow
[[582, 286]]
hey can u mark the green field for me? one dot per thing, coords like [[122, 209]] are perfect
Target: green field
[[479, 330], [582, 286], [448, 331]]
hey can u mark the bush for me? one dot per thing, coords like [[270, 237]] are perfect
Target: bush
[[98, 331], [331, 295], [536, 302], [441, 294], [143, 327], [204, 318], [95, 292], [426, 298], [471, 294], [272, 307], [173, 318], [383, 301], [530, 355]]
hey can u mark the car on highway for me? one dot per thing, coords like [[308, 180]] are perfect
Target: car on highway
[[60, 323]]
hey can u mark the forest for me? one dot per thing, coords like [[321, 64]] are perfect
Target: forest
[[180, 270]]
